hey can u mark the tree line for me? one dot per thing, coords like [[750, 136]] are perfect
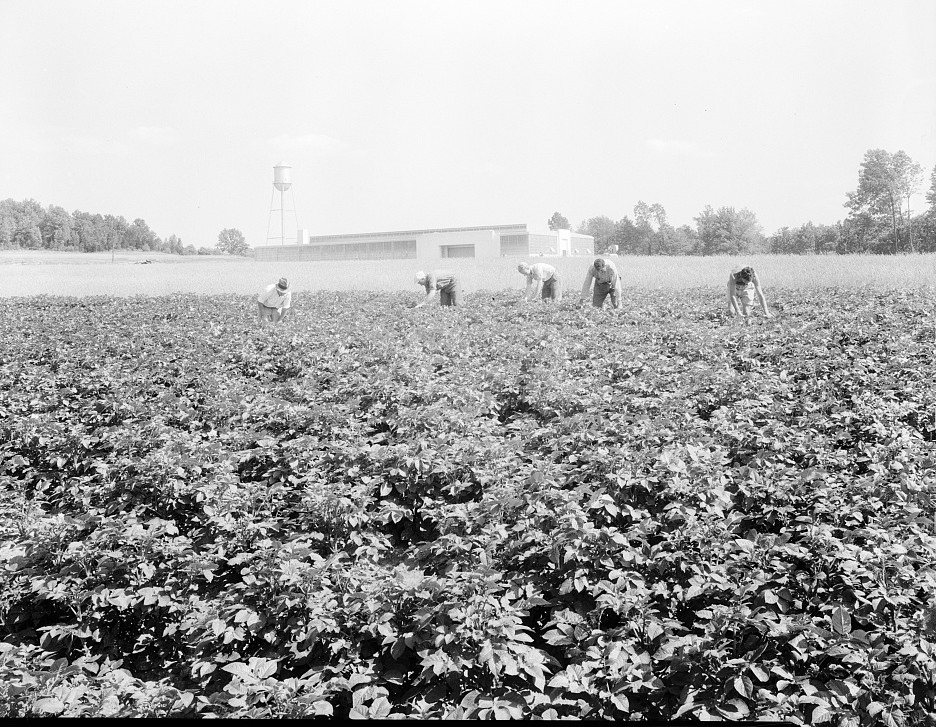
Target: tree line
[[29, 226], [878, 220]]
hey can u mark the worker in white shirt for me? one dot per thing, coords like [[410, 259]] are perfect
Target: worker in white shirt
[[274, 301], [541, 276], [743, 285], [607, 282]]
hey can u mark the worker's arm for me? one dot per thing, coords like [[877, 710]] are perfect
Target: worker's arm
[[733, 308], [430, 291], [287, 304]]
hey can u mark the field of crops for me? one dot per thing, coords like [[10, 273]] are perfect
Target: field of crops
[[507, 510]]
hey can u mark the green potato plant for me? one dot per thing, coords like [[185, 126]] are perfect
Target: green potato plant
[[492, 512]]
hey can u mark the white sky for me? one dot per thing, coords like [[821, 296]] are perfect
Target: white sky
[[408, 114]]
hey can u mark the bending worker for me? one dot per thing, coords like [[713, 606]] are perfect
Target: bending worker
[[607, 282], [742, 286], [541, 275], [274, 301], [445, 282]]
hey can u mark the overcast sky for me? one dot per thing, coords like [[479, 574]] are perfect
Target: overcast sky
[[409, 114]]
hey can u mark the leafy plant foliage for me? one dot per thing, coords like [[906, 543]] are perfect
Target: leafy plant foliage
[[510, 511]]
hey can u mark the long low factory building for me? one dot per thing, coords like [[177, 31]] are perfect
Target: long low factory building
[[522, 240]]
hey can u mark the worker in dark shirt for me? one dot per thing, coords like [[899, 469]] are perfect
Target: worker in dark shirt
[[607, 283], [445, 282]]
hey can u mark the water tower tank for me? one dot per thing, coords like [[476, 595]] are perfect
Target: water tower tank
[[281, 178]]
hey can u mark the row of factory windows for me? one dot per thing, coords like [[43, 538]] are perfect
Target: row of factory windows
[[510, 246], [384, 250], [406, 249]]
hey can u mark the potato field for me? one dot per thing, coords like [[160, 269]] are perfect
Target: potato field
[[509, 510]]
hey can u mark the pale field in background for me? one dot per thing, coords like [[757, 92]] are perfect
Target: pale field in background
[[27, 273]]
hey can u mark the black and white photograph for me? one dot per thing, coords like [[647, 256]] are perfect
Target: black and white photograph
[[448, 360]]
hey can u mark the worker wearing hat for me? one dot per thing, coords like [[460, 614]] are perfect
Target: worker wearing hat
[[445, 282], [273, 302]]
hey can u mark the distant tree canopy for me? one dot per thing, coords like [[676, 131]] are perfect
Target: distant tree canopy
[[879, 220], [27, 225], [726, 231], [931, 193], [885, 181], [805, 239], [558, 222], [604, 230], [651, 225], [231, 241], [729, 232]]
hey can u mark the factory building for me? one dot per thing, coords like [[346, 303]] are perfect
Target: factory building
[[520, 240]]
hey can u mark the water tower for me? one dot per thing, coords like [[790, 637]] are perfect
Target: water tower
[[282, 183]]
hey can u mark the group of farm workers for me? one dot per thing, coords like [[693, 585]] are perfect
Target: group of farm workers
[[602, 280]]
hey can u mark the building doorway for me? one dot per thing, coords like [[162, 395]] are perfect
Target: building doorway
[[457, 250]]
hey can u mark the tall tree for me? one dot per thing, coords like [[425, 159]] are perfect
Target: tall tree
[[627, 237], [682, 240], [863, 232], [22, 224], [729, 231], [92, 237], [174, 243], [141, 237], [912, 174], [602, 229], [558, 222], [116, 232], [57, 228], [884, 180], [7, 223], [231, 240], [659, 216], [782, 242], [651, 223], [931, 194], [925, 225], [644, 227]]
